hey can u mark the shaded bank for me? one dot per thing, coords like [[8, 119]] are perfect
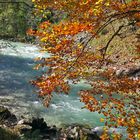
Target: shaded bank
[[37, 129]]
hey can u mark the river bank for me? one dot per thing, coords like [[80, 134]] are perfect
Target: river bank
[[37, 129]]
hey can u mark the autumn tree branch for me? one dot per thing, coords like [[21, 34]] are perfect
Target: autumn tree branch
[[103, 50], [111, 19]]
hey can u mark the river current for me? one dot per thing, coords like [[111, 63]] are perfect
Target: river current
[[16, 70]]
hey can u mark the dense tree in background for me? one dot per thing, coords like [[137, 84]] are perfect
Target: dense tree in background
[[98, 42], [14, 18]]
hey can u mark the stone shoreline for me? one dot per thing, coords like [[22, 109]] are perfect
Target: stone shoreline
[[37, 129]]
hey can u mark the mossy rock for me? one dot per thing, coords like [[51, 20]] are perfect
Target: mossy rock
[[8, 135], [3, 109], [6, 117]]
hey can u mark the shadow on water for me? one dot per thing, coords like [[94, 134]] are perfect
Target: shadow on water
[[15, 74]]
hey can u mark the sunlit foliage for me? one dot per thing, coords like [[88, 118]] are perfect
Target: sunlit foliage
[[114, 88]]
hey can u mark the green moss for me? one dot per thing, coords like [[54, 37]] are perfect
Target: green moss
[[7, 135], [13, 19]]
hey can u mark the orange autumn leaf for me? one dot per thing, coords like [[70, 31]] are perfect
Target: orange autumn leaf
[[78, 52]]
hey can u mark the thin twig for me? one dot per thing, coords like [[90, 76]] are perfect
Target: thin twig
[[103, 50]]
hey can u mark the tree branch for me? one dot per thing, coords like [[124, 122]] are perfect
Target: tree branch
[[103, 50]]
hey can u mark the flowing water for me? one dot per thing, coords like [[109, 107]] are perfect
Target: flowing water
[[15, 73], [16, 70]]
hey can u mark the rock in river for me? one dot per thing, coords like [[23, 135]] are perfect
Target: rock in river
[[6, 117]]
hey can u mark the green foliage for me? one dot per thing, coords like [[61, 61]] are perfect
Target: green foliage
[[14, 19]]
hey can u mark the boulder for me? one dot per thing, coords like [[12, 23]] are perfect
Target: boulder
[[6, 117], [79, 132], [130, 71], [37, 123], [38, 127]]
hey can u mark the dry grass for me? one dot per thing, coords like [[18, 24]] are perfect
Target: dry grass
[[122, 48]]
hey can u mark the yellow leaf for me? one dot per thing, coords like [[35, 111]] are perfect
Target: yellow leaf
[[101, 120]]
